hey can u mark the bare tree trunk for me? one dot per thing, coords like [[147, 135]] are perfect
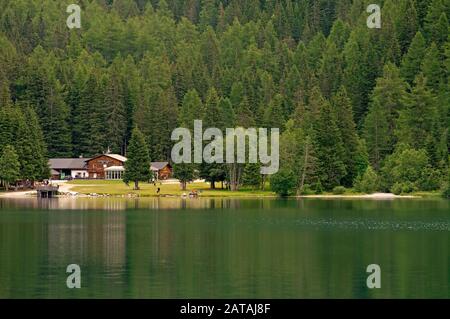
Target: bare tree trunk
[[136, 185], [234, 178]]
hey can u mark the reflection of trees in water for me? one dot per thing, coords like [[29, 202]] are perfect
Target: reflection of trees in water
[[239, 248], [87, 238]]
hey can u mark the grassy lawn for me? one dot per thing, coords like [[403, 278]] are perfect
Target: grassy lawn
[[427, 193], [103, 187]]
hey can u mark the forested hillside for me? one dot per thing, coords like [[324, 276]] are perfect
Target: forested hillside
[[344, 96]]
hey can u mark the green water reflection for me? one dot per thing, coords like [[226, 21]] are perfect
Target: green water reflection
[[224, 248]]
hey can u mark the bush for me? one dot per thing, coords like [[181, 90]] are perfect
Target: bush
[[408, 187], [446, 187], [368, 183], [283, 183], [446, 190], [339, 190], [407, 166], [318, 188], [396, 189], [307, 190], [431, 179], [403, 188]]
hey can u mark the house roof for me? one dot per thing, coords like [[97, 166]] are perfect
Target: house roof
[[67, 163], [115, 156], [156, 166]]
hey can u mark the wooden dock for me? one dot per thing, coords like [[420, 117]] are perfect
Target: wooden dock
[[47, 191]]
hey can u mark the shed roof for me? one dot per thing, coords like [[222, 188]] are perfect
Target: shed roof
[[156, 166], [67, 163]]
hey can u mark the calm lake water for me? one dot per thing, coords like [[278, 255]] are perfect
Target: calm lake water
[[224, 248]]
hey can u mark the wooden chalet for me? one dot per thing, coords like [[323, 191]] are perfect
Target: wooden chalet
[[98, 166]]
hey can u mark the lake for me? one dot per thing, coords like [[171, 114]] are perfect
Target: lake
[[224, 248]]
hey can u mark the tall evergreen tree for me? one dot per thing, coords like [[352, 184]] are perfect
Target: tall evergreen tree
[[359, 73], [432, 68], [329, 148], [9, 166], [137, 166], [114, 107], [418, 122], [412, 60], [347, 129], [380, 123]]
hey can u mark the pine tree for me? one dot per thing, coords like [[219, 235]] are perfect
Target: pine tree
[[432, 68], [31, 147], [273, 116], [436, 21], [114, 107], [45, 93], [191, 109], [380, 123], [89, 120], [297, 154], [218, 114], [347, 129], [164, 118], [9, 166], [412, 60], [185, 173], [244, 116], [359, 73], [407, 23], [137, 166], [418, 121], [329, 148], [251, 175], [330, 72], [8, 118], [339, 34], [208, 14]]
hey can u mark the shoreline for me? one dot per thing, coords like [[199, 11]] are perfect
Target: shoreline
[[67, 193], [66, 190]]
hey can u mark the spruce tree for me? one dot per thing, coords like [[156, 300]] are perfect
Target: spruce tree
[[273, 116], [380, 123], [251, 175], [359, 73], [31, 147], [185, 173], [137, 166], [329, 148], [191, 110], [114, 107], [432, 68], [330, 72], [418, 123], [347, 129], [412, 60], [9, 166]]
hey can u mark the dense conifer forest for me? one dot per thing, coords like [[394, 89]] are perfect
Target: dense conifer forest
[[357, 107]]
